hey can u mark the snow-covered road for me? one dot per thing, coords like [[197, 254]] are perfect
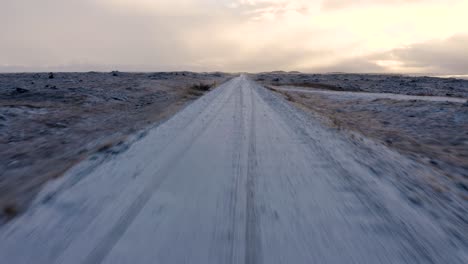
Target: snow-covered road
[[239, 176]]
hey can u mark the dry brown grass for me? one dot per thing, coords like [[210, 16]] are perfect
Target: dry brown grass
[[10, 210], [434, 140], [204, 87], [74, 115]]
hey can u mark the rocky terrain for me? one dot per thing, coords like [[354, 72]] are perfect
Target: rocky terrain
[[51, 121], [243, 176], [375, 83], [431, 130]]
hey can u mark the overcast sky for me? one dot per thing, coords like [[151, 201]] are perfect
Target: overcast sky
[[408, 36]]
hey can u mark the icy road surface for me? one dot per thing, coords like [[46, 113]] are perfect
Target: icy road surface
[[239, 176]]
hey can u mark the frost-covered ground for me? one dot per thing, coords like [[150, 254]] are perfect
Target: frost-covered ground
[[377, 83], [242, 176], [423, 118], [49, 122]]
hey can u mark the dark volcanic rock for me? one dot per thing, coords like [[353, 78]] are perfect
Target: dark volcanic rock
[[21, 90]]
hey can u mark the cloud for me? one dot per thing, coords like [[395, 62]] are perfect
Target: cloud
[[229, 35], [350, 65], [57, 32], [443, 56], [340, 4], [270, 9], [447, 56]]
